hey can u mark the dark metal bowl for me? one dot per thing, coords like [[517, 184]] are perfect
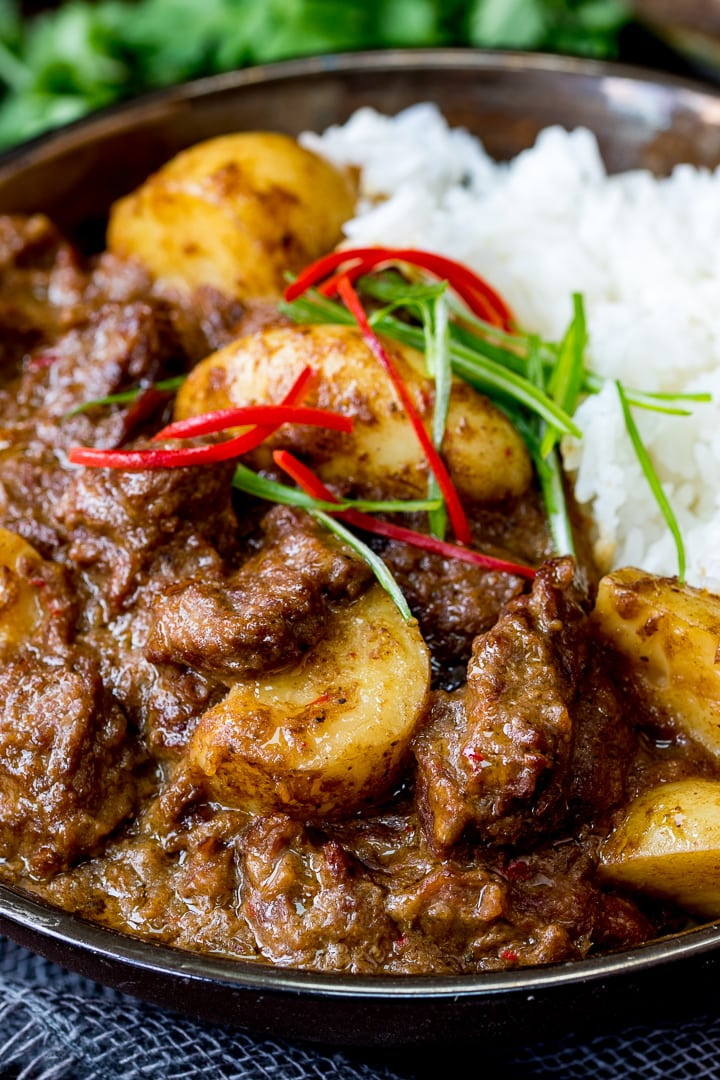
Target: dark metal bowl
[[73, 175]]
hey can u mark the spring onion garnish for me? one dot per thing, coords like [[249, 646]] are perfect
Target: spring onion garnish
[[457, 516], [374, 561], [435, 325], [263, 487], [563, 383], [653, 481], [429, 302], [566, 379], [310, 483], [538, 384], [168, 386]]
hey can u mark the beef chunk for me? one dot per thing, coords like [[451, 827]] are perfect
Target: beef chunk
[[453, 602], [511, 754], [125, 523], [270, 612], [311, 904], [556, 886], [452, 906], [40, 283], [66, 766], [120, 343]]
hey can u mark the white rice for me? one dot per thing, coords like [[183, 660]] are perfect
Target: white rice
[[644, 252]]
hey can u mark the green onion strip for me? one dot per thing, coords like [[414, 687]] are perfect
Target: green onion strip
[[653, 480], [435, 325], [538, 384], [263, 487], [429, 300], [127, 396], [374, 561]]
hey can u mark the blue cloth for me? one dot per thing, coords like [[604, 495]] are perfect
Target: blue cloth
[[55, 1025]]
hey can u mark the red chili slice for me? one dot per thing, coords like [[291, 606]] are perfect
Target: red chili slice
[[456, 514], [266, 415], [193, 455], [481, 298], [312, 485]]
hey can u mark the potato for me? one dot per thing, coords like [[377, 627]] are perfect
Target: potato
[[328, 735], [235, 213], [20, 604], [670, 636], [486, 457], [669, 845]]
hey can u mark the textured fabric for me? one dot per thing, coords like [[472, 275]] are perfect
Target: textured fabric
[[55, 1025], [58, 1026]]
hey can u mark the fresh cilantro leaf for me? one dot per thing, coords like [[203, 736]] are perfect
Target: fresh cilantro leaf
[[64, 62], [507, 24]]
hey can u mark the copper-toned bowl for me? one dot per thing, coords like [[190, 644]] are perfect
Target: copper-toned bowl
[[73, 175]]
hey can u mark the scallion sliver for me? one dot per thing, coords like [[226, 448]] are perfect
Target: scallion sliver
[[374, 561], [653, 480]]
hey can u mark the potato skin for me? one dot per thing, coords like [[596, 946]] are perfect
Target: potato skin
[[669, 637], [668, 844], [235, 213], [485, 455], [329, 735], [21, 609]]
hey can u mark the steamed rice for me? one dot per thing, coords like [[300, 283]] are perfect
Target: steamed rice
[[643, 251]]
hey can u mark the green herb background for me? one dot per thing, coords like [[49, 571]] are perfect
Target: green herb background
[[62, 63]]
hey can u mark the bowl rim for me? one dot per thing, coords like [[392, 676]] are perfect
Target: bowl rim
[[365, 61], [95, 940]]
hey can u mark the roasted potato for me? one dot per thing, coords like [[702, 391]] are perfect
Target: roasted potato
[[669, 635], [669, 844], [235, 213], [20, 605], [486, 457], [327, 735]]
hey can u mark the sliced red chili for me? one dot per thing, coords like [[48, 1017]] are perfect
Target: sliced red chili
[[192, 455], [142, 408], [312, 485], [456, 514], [133, 460], [273, 416], [352, 272], [482, 299], [300, 388]]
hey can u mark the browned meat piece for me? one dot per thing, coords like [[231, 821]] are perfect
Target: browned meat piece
[[66, 765], [604, 744], [311, 904], [205, 320], [453, 908], [539, 909], [269, 613], [116, 281], [123, 522], [180, 890], [502, 756], [161, 700], [40, 284], [453, 601], [556, 887], [118, 345]]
